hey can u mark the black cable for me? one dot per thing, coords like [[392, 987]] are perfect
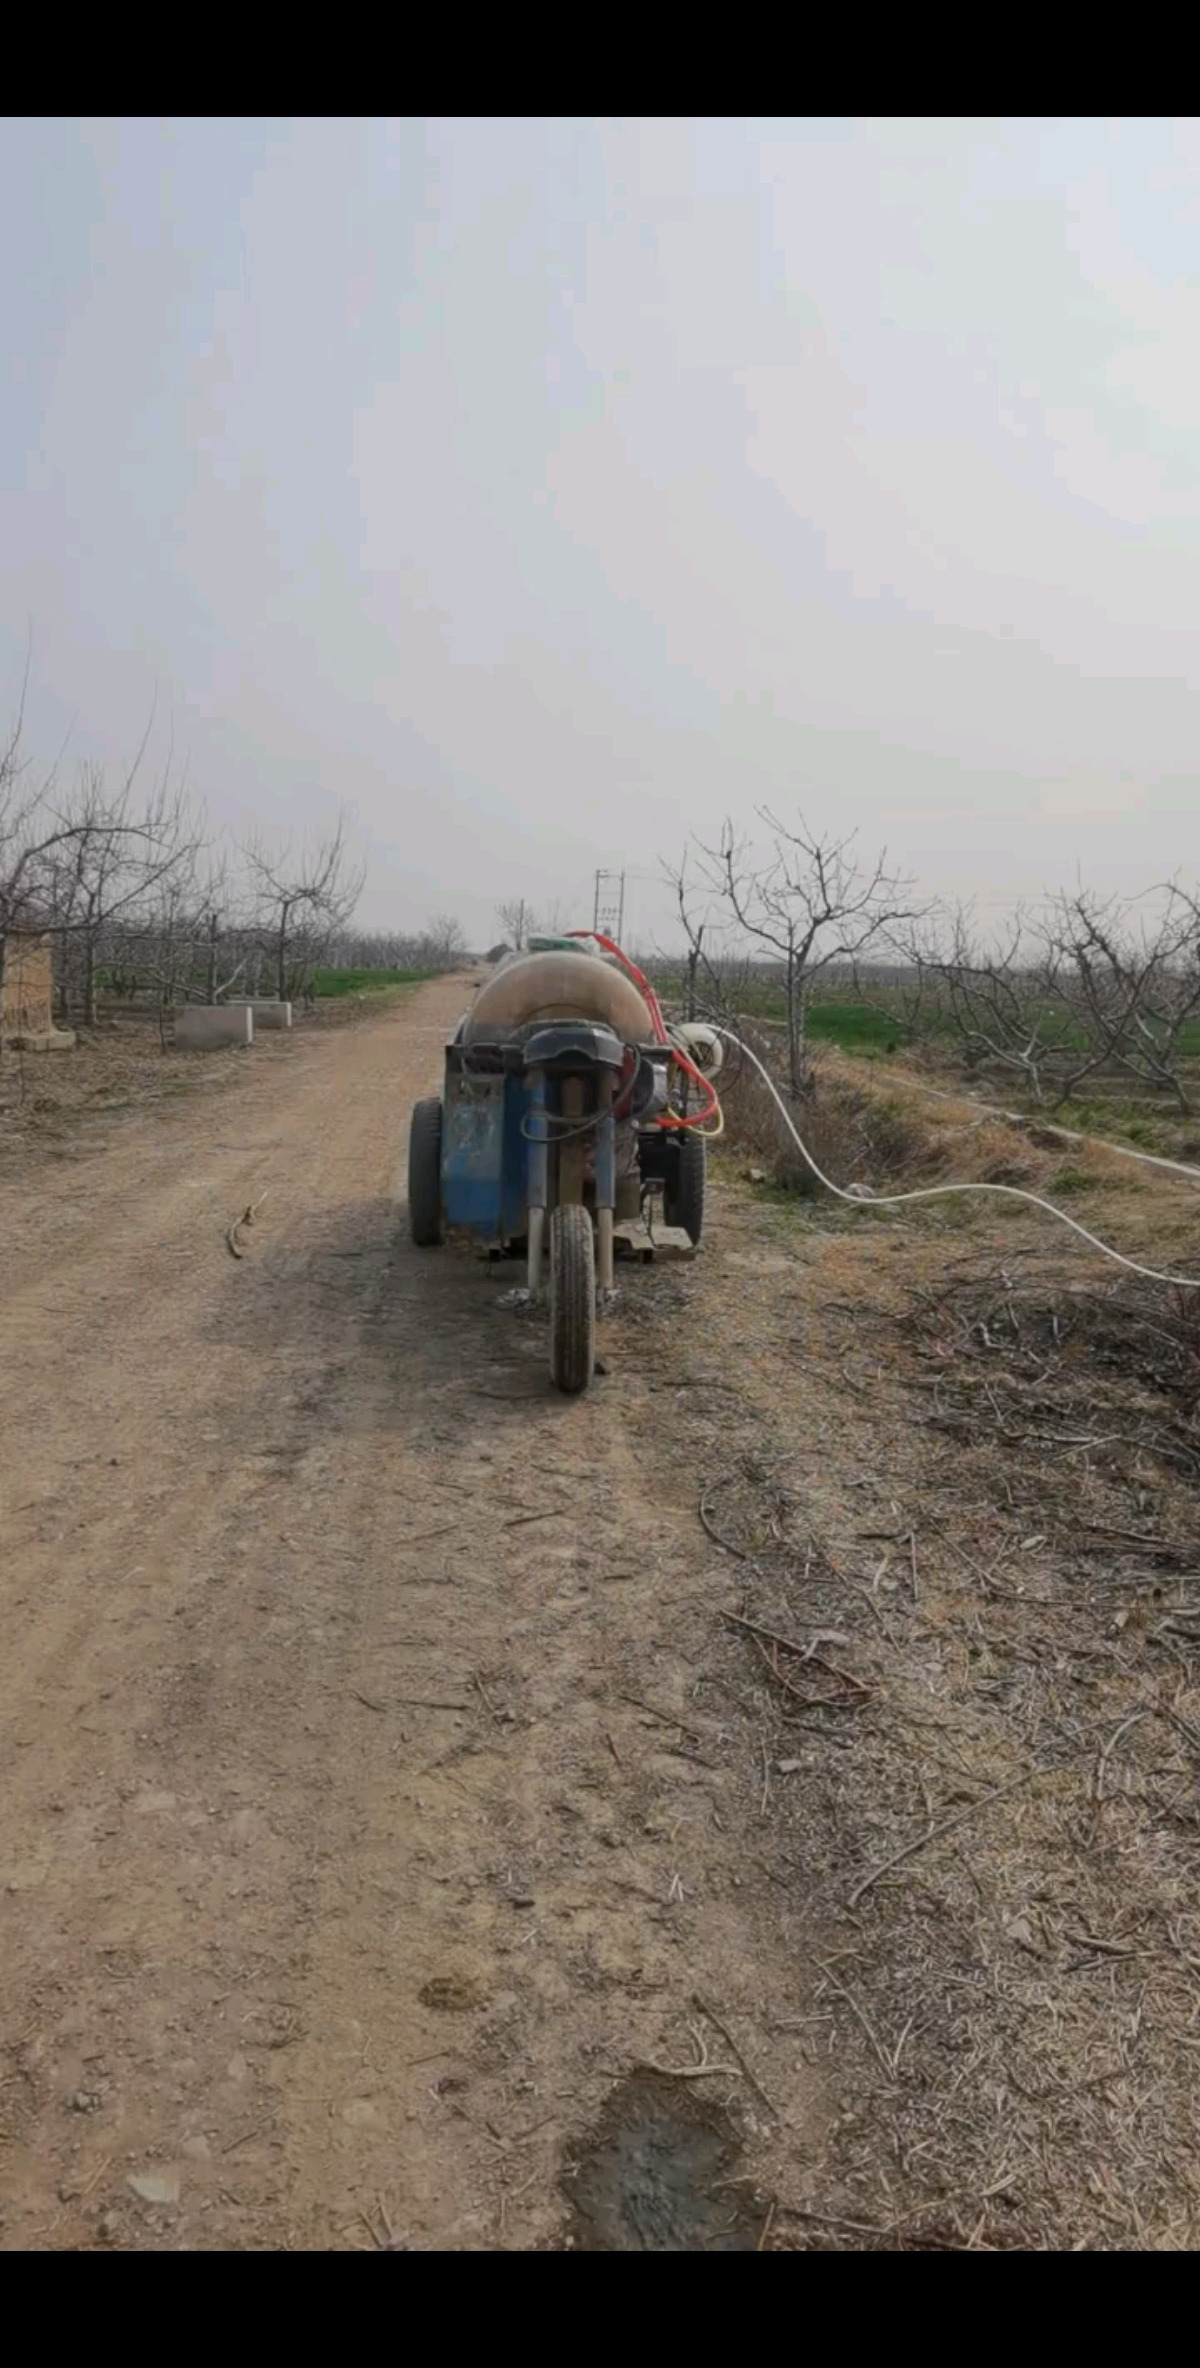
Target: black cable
[[566, 1128]]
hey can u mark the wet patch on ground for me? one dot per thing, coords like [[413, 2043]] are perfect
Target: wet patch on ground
[[658, 2174]]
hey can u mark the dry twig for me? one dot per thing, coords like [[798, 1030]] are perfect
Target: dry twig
[[726, 1543], [247, 1218], [806, 1653], [934, 1832]]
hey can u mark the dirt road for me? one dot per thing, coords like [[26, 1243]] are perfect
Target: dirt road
[[339, 1873], [754, 1805]]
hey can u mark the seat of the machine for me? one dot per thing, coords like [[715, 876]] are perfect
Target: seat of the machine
[[572, 1044]]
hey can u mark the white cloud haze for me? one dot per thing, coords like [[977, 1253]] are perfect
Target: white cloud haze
[[545, 490]]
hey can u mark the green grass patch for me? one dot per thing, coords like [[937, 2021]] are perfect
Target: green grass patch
[[853, 1027], [364, 982], [1068, 1181], [1129, 1122]]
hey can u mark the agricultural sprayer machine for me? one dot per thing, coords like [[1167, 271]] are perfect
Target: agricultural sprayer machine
[[567, 1103]]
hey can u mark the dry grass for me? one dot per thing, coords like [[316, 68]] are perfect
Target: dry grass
[[865, 1129], [52, 1103], [962, 1469], [985, 1785], [49, 1101]]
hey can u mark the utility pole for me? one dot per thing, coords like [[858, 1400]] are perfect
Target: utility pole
[[608, 913]]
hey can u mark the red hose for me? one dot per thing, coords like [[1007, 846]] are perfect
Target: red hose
[[638, 976], [640, 980]]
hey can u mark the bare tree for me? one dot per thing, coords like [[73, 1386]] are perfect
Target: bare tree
[[1002, 1003], [907, 1000], [440, 945], [446, 941], [227, 948], [32, 841], [809, 904], [518, 921], [1081, 987], [113, 857], [710, 979], [303, 898], [166, 940], [1132, 986]]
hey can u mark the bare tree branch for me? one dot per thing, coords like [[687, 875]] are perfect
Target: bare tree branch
[[810, 903], [302, 897]]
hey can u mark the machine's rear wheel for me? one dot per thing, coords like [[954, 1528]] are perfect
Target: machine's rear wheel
[[425, 1174], [685, 1207], [572, 1298]]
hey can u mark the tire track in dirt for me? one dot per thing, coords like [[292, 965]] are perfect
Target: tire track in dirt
[[336, 1865]]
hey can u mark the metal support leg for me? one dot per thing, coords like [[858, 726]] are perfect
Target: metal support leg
[[604, 1249], [537, 1228], [570, 1147], [606, 1186], [537, 1173]]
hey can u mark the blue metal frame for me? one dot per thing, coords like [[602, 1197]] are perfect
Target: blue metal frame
[[473, 1130], [494, 1152], [486, 1154], [516, 1179]]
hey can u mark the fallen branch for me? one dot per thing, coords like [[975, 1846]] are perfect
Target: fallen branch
[[805, 1653], [808, 1701], [666, 1718], [702, 2006], [1103, 1760], [700, 2070], [247, 1218], [725, 1543], [934, 1832]]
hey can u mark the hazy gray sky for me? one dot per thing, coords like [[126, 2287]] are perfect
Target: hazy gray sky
[[546, 489]]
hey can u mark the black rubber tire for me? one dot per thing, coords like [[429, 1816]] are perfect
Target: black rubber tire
[[686, 1205], [572, 1299], [425, 1174]]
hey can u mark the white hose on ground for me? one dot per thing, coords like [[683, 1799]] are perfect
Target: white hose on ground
[[896, 1200]]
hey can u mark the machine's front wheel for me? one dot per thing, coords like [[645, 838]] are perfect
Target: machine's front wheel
[[425, 1174], [572, 1298]]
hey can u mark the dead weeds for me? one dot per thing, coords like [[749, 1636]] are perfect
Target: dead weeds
[[1103, 1374], [51, 1104], [957, 1503], [990, 1807]]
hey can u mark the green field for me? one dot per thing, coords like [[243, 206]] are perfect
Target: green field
[[363, 982], [866, 1029], [853, 1027]]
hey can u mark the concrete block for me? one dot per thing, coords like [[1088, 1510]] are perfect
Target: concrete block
[[46, 1040], [199, 1026], [267, 1015]]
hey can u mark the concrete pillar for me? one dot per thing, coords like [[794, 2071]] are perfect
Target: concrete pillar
[[198, 1026], [267, 1015]]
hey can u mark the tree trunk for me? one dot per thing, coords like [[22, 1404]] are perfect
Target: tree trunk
[[89, 980], [795, 1027], [62, 986], [281, 956]]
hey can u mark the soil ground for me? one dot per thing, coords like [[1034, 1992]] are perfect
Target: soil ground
[[752, 1806]]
